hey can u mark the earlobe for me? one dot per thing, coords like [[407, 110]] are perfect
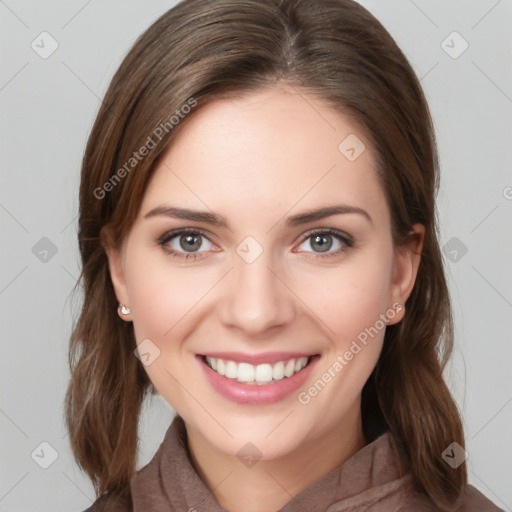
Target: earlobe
[[116, 270], [405, 269]]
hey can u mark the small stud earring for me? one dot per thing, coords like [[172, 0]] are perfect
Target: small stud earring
[[124, 310]]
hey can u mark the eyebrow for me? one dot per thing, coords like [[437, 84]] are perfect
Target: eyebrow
[[218, 220]]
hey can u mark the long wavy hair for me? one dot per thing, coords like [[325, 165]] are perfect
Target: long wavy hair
[[199, 51]]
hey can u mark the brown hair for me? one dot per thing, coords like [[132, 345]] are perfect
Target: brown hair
[[216, 49]]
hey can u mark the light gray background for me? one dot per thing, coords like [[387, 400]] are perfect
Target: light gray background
[[48, 106]]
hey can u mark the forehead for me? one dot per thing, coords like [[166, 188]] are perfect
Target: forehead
[[263, 152]]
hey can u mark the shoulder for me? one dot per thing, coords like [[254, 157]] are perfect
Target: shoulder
[[472, 500], [112, 503]]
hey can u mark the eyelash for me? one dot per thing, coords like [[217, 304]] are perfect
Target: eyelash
[[345, 239]]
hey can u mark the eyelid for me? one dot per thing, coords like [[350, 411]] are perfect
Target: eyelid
[[329, 231], [169, 235]]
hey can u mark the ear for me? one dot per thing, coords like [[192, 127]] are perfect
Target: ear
[[405, 269], [115, 256]]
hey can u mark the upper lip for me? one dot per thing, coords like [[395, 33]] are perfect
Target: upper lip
[[254, 359]]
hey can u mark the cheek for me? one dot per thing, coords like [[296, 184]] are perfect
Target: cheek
[[162, 293], [351, 297], [352, 306], [164, 298]]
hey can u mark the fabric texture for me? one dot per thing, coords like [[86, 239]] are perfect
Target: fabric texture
[[375, 479]]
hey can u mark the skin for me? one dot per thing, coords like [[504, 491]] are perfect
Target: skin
[[257, 160]]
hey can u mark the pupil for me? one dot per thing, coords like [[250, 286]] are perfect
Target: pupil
[[190, 242], [324, 242]]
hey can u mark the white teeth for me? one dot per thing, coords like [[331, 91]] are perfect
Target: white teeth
[[261, 374], [289, 369], [212, 362], [221, 367], [278, 371], [231, 370], [245, 372]]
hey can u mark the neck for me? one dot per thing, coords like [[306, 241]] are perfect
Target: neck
[[269, 484]]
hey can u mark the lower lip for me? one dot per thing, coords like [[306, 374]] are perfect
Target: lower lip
[[255, 394]]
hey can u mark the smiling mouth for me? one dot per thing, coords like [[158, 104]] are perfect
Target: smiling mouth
[[260, 374]]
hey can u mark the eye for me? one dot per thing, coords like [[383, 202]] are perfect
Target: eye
[[326, 242], [185, 243]]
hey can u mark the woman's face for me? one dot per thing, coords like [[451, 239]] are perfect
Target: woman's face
[[259, 279]]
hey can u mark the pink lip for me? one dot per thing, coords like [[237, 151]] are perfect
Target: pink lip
[[254, 359], [253, 394]]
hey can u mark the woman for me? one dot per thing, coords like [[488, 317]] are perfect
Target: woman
[[259, 246]]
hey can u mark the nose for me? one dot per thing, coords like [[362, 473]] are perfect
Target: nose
[[256, 298]]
